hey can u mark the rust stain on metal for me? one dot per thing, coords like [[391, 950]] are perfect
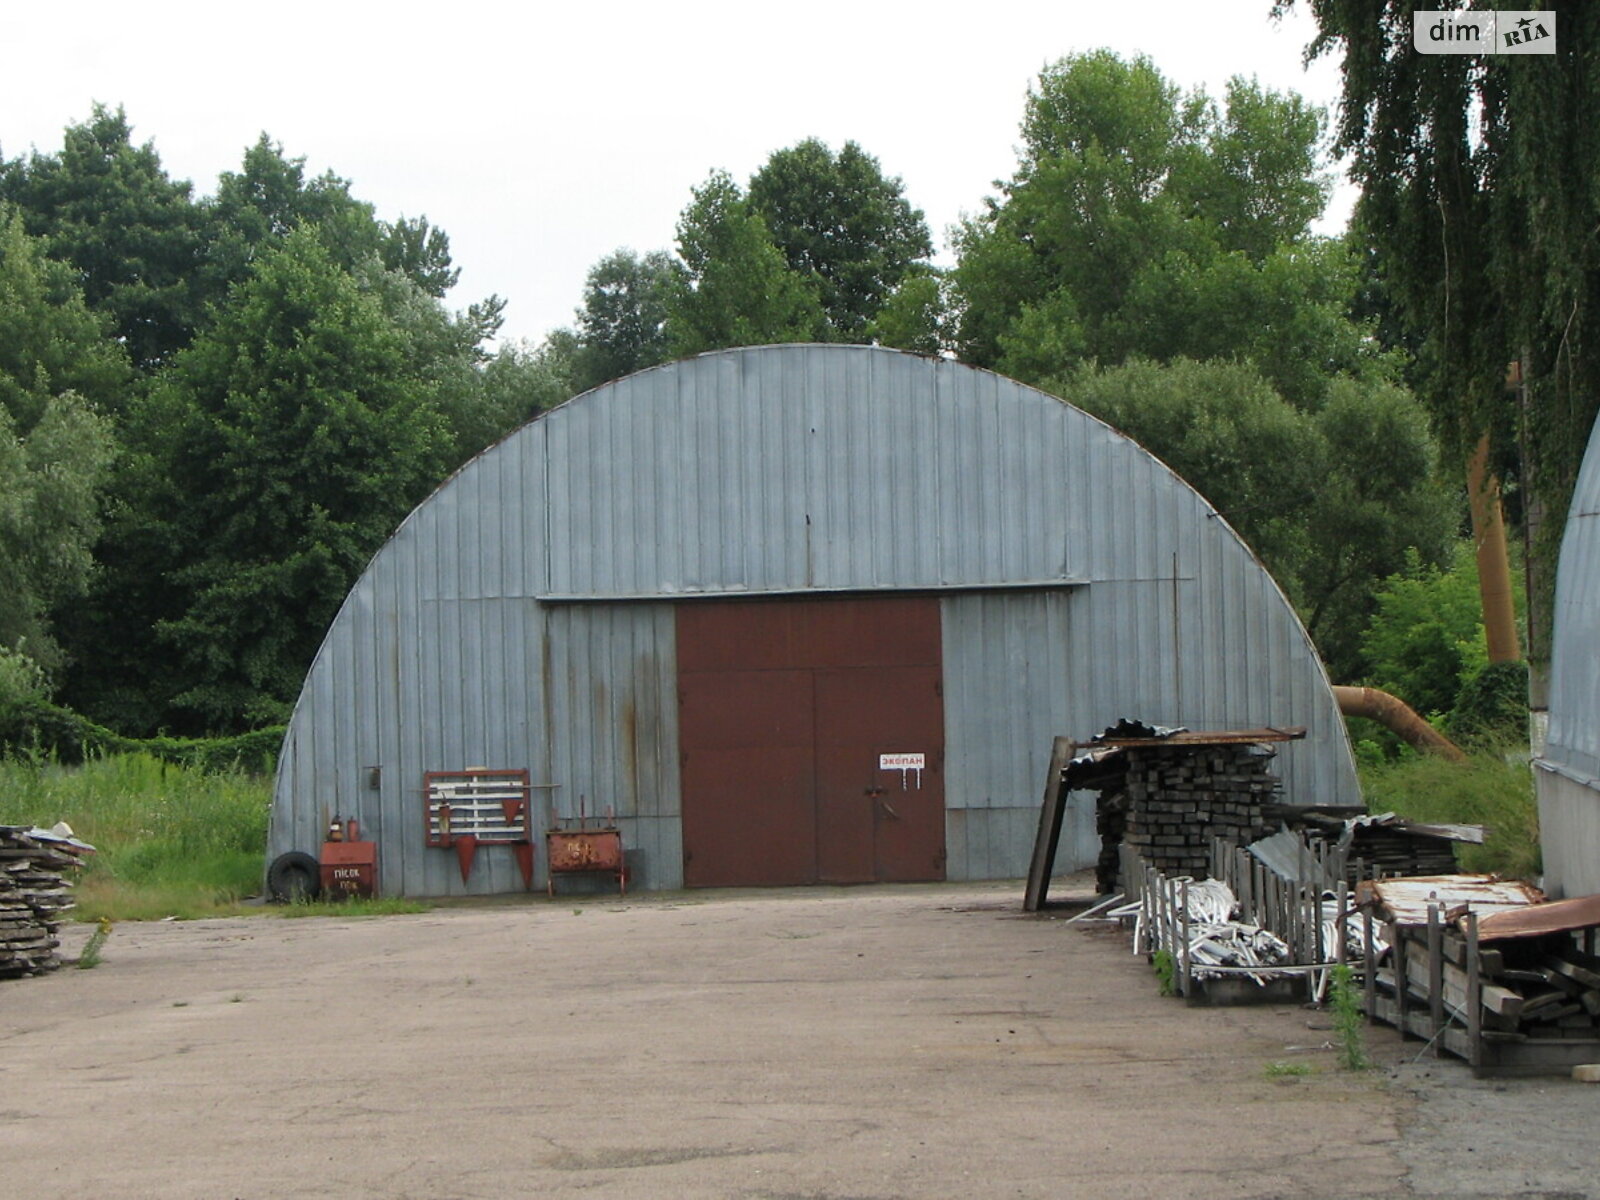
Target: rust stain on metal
[[574, 851], [1406, 901], [630, 752]]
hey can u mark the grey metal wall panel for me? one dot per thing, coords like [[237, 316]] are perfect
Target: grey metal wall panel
[[801, 466], [612, 677], [1573, 740], [777, 469], [1007, 695], [1569, 782], [1569, 823]]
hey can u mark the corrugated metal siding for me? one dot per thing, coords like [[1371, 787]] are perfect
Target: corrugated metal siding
[[785, 469], [1574, 735], [1569, 786], [794, 467], [1569, 824]]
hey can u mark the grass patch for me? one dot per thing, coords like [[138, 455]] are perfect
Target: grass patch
[[1166, 969], [1490, 789], [172, 841], [1283, 1070]]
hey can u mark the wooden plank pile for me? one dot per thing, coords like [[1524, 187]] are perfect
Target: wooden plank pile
[[1402, 850], [33, 894], [1177, 799], [1512, 989]]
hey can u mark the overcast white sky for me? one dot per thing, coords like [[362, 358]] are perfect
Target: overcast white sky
[[542, 137]]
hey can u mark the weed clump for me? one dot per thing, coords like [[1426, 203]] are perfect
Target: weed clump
[[90, 956], [1348, 1020]]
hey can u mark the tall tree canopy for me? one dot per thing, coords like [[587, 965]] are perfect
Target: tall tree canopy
[[839, 220], [1333, 501], [59, 372], [1480, 196], [622, 326], [296, 384], [275, 456], [736, 288], [136, 237], [1144, 222], [269, 196], [1152, 259]]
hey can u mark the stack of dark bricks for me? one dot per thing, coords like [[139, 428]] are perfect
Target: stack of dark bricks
[[1177, 798], [34, 892]]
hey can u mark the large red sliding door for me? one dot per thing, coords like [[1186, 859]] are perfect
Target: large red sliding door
[[786, 709]]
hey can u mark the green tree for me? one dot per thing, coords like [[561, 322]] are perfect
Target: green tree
[[1221, 426], [1480, 200], [50, 340], [441, 351], [1379, 502], [59, 372], [1424, 640], [1332, 501], [421, 252], [622, 325], [916, 316], [1145, 223], [273, 457], [519, 382], [270, 196], [135, 236], [1258, 182], [736, 289], [839, 220]]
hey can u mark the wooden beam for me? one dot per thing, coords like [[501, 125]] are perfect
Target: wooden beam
[[1052, 810]]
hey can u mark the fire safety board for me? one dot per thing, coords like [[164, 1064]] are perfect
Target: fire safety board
[[479, 806]]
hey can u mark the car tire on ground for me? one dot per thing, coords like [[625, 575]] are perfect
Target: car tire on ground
[[293, 876]]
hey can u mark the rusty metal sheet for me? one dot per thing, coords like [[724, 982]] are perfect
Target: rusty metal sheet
[[1406, 901], [876, 822], [786, 709], [778, 634], [1555, 916], [748, 763]]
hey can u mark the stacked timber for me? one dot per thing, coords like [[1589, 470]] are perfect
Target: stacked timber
[[1178, 798], [1512, 986], [1537, 989], [1384, 844], [34, 893], [1399, 848]]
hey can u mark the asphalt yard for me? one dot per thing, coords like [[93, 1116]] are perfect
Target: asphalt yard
[[862, 1043]]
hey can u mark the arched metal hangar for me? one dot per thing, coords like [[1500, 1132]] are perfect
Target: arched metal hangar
[[738, 599], [1568, 774]]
